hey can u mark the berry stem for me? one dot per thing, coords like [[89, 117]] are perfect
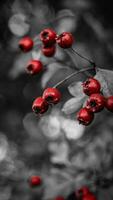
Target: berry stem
[[87, 59], [75, 62], [71, 75]]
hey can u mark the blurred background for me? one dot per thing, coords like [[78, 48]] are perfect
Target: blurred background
[[65, 154]]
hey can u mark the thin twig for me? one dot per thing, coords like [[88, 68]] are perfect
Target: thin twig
[[87, 59], [71, 75]]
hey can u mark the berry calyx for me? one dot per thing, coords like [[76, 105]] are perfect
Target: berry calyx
[[85, 117], [26, 44], [48, 36], [35, 181], [52, 95], [49, 51], [40, 106], [95, 103], [109, 103], [34, 67], [91, 86], [65, 40]]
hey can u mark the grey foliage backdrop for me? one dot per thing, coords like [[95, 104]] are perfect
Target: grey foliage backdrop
[[65, 154]]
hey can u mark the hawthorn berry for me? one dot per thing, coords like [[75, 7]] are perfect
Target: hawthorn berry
[[91, 86], [26, 44], [34, 67], [59, 198], [52, 95], [82, 191], [35, 181], [95, 103], [89, 196], [48, 37], [65, 40], [109, 103], [85, 116], [40, 106], [49, 51]]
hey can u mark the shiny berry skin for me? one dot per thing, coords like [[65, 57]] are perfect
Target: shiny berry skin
[[35, 181], [91, 86], [89, 196], [65, 40], [109, 103], [52, 95], [40, 106], [26, 44], [82, 191], [59, 198], [48, 37], [95, 103], [34, 67], [49, 51], [85, 117]]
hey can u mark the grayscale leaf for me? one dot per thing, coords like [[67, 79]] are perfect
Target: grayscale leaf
[[73, 105], [106, 79], [76, 90]]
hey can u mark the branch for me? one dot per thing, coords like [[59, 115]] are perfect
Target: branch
[[71, 75]]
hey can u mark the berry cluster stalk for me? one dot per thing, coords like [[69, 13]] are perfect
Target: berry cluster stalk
[[71, 75]]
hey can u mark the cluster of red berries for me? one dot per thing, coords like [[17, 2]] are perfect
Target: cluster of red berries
[[95, 103], [49, 38], [50, 96], [81, 194]]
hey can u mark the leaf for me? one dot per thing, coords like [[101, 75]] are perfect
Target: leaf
[[72, 129], [76, 89], [73, 105], [18, 25], [59, 152], [19, 65], [51, 126], [65, 13], [50, 74], [21, 7], [105, 77], [57, 185]]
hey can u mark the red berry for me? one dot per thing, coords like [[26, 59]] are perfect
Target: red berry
[[84, 116], [52, 95], [82, 191], [35, 181], [89, 196], [26, 44], [34, 66], [48, 36], [59, 198], [109, 103], [65, 40], [95, 103], [40, 106], [91, 86], [49, 51]]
